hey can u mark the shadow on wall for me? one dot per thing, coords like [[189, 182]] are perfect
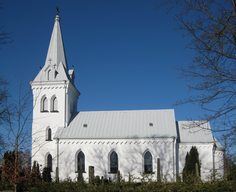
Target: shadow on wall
[[206, 160], [130, 157]]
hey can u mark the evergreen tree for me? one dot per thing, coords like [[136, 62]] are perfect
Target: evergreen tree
[[190, 163], [185, 167]]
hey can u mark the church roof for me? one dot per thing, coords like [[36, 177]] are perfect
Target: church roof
[[194, 132], [218, 146], [56, 52], [120, 124]]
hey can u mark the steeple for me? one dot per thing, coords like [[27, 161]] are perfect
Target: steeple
[[55, 67], [56, 52], [54, 85]]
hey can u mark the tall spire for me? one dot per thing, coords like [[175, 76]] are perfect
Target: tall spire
[[56, 52]]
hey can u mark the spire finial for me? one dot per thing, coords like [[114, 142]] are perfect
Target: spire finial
[[57, 10]]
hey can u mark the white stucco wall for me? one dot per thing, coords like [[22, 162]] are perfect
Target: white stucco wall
[[53, 120], [130, 156], [42, 120], [205, 151], [219, 164]]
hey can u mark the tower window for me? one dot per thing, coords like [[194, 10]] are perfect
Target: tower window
[[44, 104], [54, 104], [48, 134], [49, 74], [55, 74]]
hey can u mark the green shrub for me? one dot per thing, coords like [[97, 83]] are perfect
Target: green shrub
[[70, 185]]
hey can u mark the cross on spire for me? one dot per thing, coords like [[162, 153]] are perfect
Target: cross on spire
[[57, 10], [50, 60]]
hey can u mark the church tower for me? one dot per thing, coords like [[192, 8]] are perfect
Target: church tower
[[54, 101]]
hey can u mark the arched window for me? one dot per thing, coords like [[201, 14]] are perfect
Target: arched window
[[49, 162], [49, 74], [148, 162], [44, 104], [48, 134], [54, 104], [81, 162], [55, 74], [113, 162]]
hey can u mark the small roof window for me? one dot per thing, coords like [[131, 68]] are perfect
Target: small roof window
[[151, 124], [85, 125]]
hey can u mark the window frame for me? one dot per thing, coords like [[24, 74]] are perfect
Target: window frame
[[146, 163], [52, 104], [44, 104], [48, 134], [116, 167], [77, 161], [49, 73], [49, 161]]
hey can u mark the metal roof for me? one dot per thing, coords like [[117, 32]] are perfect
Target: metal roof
[[219, 147], [194, 132], [120, 124], [56, 51]]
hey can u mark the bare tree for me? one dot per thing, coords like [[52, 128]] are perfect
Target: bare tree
[[212, 26], [2, 147], [19, 110], [4, 96], [18, 124], [4, 35]]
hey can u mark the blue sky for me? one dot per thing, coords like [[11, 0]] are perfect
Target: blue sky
[[124, 52]]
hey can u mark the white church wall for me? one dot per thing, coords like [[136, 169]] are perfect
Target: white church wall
[[205, 156], [219, 164], [71, 103], [44, 120], [130, 156], [41, 156], [54, 118]]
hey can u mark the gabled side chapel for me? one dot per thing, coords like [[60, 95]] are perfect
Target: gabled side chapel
[[129, 141]]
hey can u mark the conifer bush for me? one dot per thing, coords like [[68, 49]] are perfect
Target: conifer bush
[[191, 159]]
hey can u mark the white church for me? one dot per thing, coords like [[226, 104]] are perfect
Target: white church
[[129, 141]]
